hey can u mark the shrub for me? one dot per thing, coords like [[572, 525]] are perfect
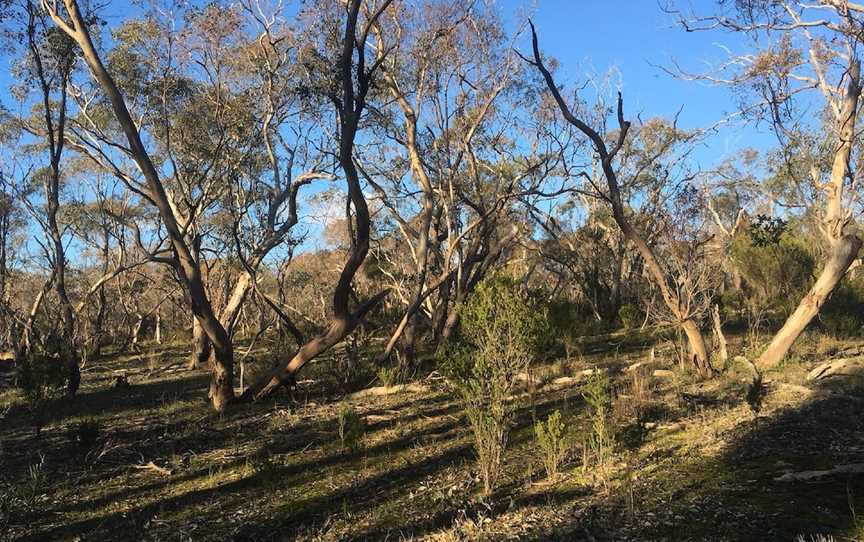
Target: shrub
[[17, 500], [44, 377], [351, 429], [777, 269], [843, 314], [629, 315], [553, 441], [389, 376], [597, 394], [567, 322], [499, 335]]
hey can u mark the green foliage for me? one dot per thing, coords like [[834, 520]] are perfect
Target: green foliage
[[389, 376], [500, 334], [596, 392], [351, 429], [44, 377], [554, 441], [843, 313], [629, 315], [567, 322], [767, 230], [22, 498], [775, 274]]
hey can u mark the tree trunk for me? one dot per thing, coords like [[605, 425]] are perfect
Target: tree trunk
[[658, 273], [843, 247], [201, 347], [698, 350], [843, 253], [221, 385]]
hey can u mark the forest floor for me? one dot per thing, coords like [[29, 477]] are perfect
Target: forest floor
[[150, 461]]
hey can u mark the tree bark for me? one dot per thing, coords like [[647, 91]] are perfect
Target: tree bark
[[201, 349]]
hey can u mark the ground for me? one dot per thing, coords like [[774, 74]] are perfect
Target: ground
[[150, 461]]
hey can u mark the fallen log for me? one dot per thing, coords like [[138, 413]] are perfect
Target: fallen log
[[803, 476], [837, 367]]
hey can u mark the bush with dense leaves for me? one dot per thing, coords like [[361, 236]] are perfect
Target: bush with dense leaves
[[500, 330]]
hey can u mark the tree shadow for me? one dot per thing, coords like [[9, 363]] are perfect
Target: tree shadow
[[736, 495]]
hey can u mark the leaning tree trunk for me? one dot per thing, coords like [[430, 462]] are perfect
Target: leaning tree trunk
[[843, 253], [221, 382], [698, 348], [843, 247], [350, 108]]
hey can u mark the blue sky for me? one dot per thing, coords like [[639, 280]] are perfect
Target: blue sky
[[635, 37]]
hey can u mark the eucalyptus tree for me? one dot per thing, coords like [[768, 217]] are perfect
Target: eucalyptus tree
[[263, 204], [625, 162], [456, 151], [45, 72], [70, 19], [341, 71], [803, 54]]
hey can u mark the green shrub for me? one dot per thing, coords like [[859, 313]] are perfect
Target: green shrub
[[629, 315], [44, 377], [86, 433], [777, 269], [567, 322], [499, 336], [843, 314], [351, 429], [389, 376], [596, 393], [554, 441]]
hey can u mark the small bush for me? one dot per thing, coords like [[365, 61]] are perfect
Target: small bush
[[499, 334], [629, 315], [389, 376], [16, 500], [597, 394], [44, 378], [843, 314], [777, 268], [351, 429], [553, 441]]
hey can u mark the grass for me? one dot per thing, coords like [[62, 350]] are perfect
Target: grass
[[702, 468]]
